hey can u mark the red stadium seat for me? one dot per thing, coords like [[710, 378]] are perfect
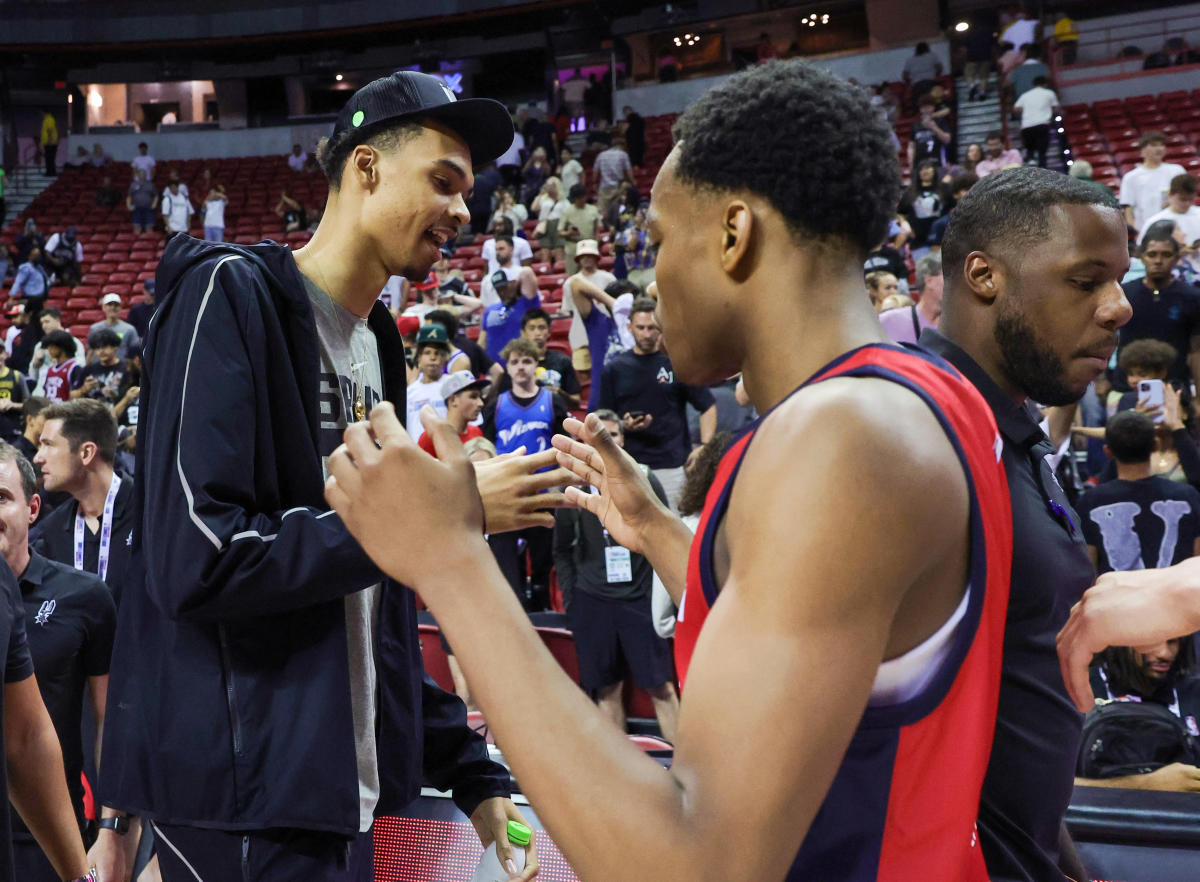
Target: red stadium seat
[[561, 644]]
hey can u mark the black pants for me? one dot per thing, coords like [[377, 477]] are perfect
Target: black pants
[[50, 152], [1036, 140], [192, 854], [539, 542]]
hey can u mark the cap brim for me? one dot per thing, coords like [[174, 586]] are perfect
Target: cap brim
[[483, 123]]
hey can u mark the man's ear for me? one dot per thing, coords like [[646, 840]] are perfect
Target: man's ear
[[984, 275], [738, 225], [363, 164]]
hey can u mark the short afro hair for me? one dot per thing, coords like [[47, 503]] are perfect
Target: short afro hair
[[1147, 357], [333, 152], [801, 138], [1010, 209]]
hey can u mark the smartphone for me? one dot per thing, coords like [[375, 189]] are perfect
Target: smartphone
[[1151, 391]]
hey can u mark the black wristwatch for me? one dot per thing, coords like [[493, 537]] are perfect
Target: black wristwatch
[[118, 824]]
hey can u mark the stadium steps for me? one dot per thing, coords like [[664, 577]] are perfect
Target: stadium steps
[[976, 118], [24, 185]]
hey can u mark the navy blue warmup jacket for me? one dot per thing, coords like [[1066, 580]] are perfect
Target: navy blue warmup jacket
[[229, 700]]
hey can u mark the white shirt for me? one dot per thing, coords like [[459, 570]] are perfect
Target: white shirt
[[521, 253], [570, 174], [54, 241], [1189, 222], [421, 393], [512, 156], [297, 162], [1145, 190], [214, 212], [573, 90], [1020, 32], [145, 163], [1037, 107], [183, 191], [177, 210]]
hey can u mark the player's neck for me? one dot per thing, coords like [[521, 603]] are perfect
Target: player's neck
[[525, 391], [1133, 471], [94, 490], [336, 260], [1147, 164], [458, 420], [788, 347]]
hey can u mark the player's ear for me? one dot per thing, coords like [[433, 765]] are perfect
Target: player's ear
[[983, 275], [737, 228]]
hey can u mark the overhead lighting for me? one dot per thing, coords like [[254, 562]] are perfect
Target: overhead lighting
[[962, 27], [813, 19], [70, 98], [96, 99], [339, 77]]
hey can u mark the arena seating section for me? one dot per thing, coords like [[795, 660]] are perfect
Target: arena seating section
[[116, 259], [1106, 133]]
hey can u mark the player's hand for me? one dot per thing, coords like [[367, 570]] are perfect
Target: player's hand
[[132, 393], [1153, 411], [1172, 412], [107, 855], [383, 485], [90, 383], [1131, 608], [639, 423], [491, 819], [516, 495], [1176, 777], [625, 504]]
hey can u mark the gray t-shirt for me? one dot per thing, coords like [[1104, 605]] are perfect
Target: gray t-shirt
[[127, 332], [350, 374]]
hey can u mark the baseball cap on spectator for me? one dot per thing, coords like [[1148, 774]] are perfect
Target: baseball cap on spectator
[[110, 297], [433, 335], [458, 381], [586, 247], [427, 284], [483, 123], [500, 278], [148, 284], [16, 309], [408, 325]]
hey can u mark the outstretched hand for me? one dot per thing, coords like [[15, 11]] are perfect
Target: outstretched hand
[[383, 485], [1131, 608], [626, 504]]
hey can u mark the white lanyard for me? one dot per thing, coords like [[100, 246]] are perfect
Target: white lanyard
[[106, 525]]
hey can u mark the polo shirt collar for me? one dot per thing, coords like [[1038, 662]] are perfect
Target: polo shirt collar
[[35, 572], [1018, 423]]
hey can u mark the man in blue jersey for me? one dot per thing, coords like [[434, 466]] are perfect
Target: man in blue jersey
[[525, 418], [501, 321]]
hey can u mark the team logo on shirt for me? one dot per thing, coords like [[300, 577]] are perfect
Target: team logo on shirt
[[665, 376], [43, 614]]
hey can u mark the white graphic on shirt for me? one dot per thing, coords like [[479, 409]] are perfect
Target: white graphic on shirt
[[665, 376], [1121, 544], [520, 427], [43, 614]]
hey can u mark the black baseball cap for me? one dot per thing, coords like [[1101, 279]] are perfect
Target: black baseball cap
[[483, 123]]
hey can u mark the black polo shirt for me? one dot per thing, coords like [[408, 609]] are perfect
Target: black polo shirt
[[70, 620], [635, 382], [54, 537], [18, 666], [1171, 314], [1031, 772]]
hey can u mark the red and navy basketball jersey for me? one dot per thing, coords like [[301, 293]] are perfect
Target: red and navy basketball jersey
[[58, 380], [903, 805]]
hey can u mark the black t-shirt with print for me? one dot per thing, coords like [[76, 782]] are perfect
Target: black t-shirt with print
[[111, 381]]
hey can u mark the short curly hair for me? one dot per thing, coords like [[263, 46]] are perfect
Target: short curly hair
[[385, 136], [801, 138], [1010, 209]]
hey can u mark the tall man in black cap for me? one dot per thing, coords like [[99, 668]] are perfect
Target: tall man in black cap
[[1032, 263], [267, 698]]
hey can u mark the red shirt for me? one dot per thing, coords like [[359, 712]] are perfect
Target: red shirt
[[426, 443]]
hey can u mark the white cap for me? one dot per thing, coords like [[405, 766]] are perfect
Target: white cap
[[110, 297], [587, 246]]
